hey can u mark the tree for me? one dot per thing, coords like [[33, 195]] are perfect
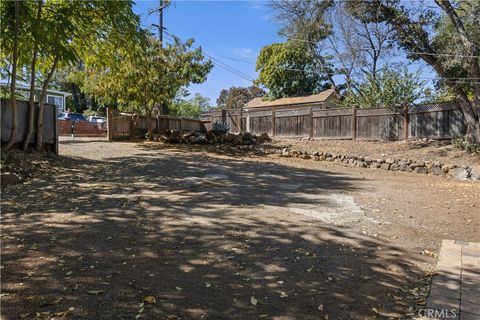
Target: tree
[[237, 97], [388, 88], [339, 43], [305, 25], [140, 77], [181, 106], [12, 20], [445, 37], [287, 69]]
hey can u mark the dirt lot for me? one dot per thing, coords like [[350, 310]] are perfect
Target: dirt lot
[[210, 236], [434, 150]]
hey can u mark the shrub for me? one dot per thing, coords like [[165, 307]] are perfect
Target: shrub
[[466, 143], [219, 127]]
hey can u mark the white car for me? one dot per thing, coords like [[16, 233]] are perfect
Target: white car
[[97, 119]]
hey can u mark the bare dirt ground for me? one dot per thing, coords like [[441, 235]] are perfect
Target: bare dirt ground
[[211, 236], [434, 150]]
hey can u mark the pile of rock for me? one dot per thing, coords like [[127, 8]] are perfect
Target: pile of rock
[[387, 163], [211, 137]]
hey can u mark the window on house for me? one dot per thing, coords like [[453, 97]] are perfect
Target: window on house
[[57, 101]]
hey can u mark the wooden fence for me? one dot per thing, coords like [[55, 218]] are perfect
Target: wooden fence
[[125, 126], [50, 131], [435, 121]]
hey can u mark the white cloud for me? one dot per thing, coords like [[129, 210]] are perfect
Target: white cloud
[[245, 53]]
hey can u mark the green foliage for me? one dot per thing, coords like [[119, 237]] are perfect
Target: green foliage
[[184, 107], [390, 88], [219, 127], [142, 76], [465, 142], [237, 97], [287, 69]]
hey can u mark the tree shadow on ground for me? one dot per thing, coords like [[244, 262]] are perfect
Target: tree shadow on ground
[[210, 238]]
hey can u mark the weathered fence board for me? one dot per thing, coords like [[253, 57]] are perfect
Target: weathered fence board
[[50, 134], [125, 126], [436, 121]]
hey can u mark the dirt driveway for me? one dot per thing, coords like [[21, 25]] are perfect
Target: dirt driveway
[[209, 236]]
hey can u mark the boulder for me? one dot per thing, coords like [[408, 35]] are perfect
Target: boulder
[[422, 170], [390, 160], [458, 173], [229, 137], [437, 171], [9, 178], [385, 166], [264, 138], [475, 173], [381, 160]]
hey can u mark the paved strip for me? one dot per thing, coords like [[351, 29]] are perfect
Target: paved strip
[[455, 290]]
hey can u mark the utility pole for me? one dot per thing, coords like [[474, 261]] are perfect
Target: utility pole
[[160, 23]]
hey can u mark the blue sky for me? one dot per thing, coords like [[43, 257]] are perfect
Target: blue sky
[[233, 32]]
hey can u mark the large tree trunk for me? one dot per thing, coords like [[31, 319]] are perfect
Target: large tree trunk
[[13, 79], [41, 105], [31, 102]]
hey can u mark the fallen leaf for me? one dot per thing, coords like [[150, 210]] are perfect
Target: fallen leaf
[[320, 307], [150, 299], [95, 292], [253, 301], [178, 288]]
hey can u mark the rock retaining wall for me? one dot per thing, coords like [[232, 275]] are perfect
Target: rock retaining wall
[[391, 164]]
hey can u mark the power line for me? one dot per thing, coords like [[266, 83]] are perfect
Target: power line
[[220, 63], [351, 47]]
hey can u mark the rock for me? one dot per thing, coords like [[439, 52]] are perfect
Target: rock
[[418, 164], [329, 159], [229, 137], [458, 173], [264, 138], [316, 158], [305, 156], [475, 173], [316, 154], [390, 160], [422, 170], [394, 167], [360, 164], [381, 160], [437, 171], [322, 157], [385, 166], [368, 160], [375, 165], [9, 178], [351, 161]]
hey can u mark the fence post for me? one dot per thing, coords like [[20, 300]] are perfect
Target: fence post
[[406, 123], [224, 116], [354, 123], [274, 126], [311, 123], [109, 124], [55, 121]]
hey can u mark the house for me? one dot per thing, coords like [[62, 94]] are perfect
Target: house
[[55, 97], [324, 100]]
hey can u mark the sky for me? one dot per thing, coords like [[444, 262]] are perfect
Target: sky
[[232, 32]]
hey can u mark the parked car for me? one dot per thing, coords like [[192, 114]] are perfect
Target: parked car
[[97, 119], [72, 116]]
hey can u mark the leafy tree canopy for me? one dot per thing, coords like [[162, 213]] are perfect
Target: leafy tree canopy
[[237, 97], [389, 88], [287, 69], [185, 106]]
